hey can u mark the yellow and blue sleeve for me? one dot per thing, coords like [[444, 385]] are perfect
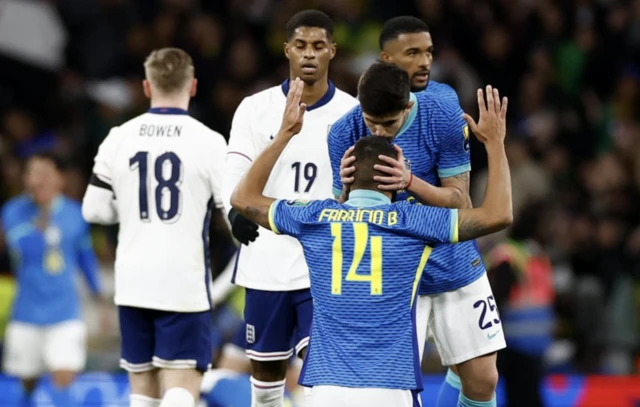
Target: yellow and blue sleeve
[[272, 216], [454, 226], [454, 148]]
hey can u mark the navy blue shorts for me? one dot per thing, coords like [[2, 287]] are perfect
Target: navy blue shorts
[[163, 339], [277, 323], [239, 338]]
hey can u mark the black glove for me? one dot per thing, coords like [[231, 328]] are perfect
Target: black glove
[[242, 228]]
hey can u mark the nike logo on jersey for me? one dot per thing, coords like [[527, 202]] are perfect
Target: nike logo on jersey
[[491, 336]]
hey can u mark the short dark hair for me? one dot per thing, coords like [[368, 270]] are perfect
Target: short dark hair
[[397, 26], [60, 163], [384, 89], [366, 151], [310, 18]]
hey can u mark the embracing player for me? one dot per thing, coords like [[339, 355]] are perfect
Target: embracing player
[[363, 350], [406, 42], [278, 306], [433, 142], [158, 175]]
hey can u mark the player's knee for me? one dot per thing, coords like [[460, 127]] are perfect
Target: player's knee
[[62, 379], [481, 385], [178, 397], [272, 371]]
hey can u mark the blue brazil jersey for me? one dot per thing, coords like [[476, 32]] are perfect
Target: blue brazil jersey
[[435, 142], [365, 260], [45, 262]]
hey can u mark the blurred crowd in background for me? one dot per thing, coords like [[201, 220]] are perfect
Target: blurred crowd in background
[[72, 69]]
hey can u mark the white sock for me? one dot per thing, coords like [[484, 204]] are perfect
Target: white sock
[[178, 397], [138, 400], [307, 396], [267, 394]]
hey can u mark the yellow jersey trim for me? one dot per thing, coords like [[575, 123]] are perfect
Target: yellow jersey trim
[[272, 217], [423, 263]]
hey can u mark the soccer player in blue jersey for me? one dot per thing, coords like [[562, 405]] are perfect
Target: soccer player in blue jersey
[[406, 42], [363, 349], [49, 241], [432, 168]]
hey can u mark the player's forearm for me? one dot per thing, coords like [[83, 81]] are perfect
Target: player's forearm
[[444, 197], [248, 199], [89, 265], [496, 212]]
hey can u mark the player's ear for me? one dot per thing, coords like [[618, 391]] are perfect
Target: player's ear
[[286, 49], [146, 87], [194, 87], [410, 105], [333, 49], [384, 57]]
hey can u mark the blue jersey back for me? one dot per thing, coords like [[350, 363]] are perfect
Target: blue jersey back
[[435, 142], [365, 260], [45, 261]]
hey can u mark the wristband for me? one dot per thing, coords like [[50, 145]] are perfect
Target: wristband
[[409, 184]]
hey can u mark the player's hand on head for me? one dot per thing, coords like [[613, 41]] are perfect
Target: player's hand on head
[[492, 124], [347, 167], [294, 109], [397, 177], [242, 228]]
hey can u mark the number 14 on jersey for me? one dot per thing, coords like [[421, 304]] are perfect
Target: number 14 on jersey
[[361, 240]]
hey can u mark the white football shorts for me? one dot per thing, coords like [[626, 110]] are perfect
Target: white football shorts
[[335, 396], [464, 323], [31, 350]]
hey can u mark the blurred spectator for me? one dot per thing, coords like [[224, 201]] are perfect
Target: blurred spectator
[[49, 241], [521, 277]]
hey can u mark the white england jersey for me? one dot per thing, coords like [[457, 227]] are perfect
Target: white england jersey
[[165, 169], [303, 171]]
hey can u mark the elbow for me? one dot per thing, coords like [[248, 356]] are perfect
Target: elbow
[[504, 221], [238, 201], [89, 215], [97, 217]]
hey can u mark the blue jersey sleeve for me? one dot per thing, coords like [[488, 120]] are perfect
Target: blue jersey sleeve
[[288, 217], [433, 224], [454, 148], [342, 135], [87, 261]]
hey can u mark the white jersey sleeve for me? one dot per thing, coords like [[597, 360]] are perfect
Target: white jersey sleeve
[[303, 171], [215, 166], [98, 203], [166, 172], [241, 150]]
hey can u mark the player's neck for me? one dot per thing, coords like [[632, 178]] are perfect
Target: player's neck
[[370, 188], [313, 93], [175, 103]]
